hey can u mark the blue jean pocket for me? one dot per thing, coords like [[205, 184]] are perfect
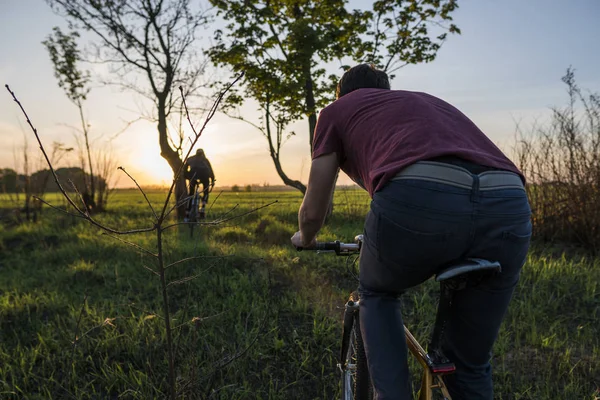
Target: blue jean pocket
[[515, 245], [510, 249], [415, 243]]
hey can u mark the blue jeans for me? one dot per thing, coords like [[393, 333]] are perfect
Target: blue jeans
[[414, 228]]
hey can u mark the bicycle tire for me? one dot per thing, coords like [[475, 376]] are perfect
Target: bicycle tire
[[193, 213], [356, 356]]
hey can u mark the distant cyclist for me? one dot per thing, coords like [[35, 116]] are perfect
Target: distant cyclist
[[199, 171]]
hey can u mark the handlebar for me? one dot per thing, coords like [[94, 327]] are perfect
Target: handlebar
[[340, 249]]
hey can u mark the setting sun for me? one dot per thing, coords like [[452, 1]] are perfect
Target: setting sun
[[147, 160]]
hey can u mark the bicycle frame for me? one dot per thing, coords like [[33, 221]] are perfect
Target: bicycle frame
[[432, 376], [195, 208], [430, 380]]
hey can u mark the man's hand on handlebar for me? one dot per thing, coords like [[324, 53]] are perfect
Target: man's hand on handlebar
[[299, 243], [341, 249]]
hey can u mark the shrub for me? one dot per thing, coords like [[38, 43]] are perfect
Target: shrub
[[562, 164]]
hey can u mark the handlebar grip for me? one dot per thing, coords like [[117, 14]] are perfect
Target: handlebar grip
[[327, 246]]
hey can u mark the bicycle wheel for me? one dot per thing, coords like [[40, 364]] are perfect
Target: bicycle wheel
[[356, 383], [193, 215]]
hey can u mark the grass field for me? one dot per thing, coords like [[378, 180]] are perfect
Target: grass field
[[258, 321]]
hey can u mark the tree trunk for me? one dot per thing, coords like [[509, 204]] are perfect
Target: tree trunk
[[289, 182], [91, 202], [312, 124], [330, 209], [172, 157], [274, 151], [310, 105]]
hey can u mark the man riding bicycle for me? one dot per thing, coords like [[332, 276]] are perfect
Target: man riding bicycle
[[441, 191], [199, 171]]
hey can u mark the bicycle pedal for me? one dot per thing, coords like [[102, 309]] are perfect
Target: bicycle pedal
[[442, 369]]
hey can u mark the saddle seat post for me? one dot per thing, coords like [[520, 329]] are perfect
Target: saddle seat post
[[452, 278]]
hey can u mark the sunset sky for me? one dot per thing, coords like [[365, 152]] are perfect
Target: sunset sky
[[505, 67]]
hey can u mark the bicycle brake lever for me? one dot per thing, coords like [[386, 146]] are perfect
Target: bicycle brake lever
[[325, 251]]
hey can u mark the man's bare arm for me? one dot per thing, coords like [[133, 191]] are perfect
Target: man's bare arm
[[314, 207]]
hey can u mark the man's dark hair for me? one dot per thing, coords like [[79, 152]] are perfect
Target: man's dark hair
[[360, 77]]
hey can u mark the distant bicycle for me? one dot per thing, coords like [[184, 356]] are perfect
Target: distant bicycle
[[356, 382], [197, 205]]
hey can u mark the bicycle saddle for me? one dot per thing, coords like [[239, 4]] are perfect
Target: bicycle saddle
[[466, 266]]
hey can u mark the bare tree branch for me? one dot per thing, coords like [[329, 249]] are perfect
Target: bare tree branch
[[151, 270], [43, 150], [83, 213], [59, 209], [137, 246], [189, 278], [197, 320], [220, 221], [191, 259], [141, 190]]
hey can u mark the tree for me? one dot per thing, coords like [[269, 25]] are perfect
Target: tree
[[65, 57], [149, 45], [35, 188], [283, 47]]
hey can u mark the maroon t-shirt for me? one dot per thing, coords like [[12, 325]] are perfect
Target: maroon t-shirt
[[376, 132]]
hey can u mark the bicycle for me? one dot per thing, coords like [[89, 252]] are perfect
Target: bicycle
[[356, 382], [197, 208]]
